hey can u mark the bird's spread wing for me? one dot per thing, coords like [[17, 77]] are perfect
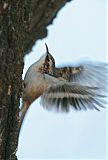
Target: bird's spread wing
[[87, 73], [61, 96]]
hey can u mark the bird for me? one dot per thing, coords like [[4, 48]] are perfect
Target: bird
[[79, 87]]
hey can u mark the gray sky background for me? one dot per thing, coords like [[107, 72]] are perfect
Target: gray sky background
[[79, 31]]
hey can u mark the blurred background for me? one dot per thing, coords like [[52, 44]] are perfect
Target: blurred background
[[78, 32]]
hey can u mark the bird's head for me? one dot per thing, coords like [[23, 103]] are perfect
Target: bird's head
[[46, 62]]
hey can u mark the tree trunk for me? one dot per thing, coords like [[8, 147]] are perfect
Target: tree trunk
[[22, 23]]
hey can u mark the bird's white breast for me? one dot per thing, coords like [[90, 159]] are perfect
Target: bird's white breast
[[35, 84]]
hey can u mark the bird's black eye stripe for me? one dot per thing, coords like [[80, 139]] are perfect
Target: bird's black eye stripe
[[47, 59]]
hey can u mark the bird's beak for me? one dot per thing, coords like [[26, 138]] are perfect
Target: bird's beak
[[47, 51]]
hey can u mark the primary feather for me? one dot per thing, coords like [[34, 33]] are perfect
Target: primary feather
[[62, 96]]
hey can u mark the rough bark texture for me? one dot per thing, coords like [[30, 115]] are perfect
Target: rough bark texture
[[22, 23]]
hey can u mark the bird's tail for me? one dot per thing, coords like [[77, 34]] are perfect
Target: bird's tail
[[23, 111]]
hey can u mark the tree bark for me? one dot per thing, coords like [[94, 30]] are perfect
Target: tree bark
[[22, 23]]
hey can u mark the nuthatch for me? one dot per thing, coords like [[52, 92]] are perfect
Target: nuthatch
[[79, 87]]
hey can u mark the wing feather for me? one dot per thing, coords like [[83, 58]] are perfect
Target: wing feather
[[79, 97], [86, 73]]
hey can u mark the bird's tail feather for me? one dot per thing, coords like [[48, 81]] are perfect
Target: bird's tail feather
[[23, 112]]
